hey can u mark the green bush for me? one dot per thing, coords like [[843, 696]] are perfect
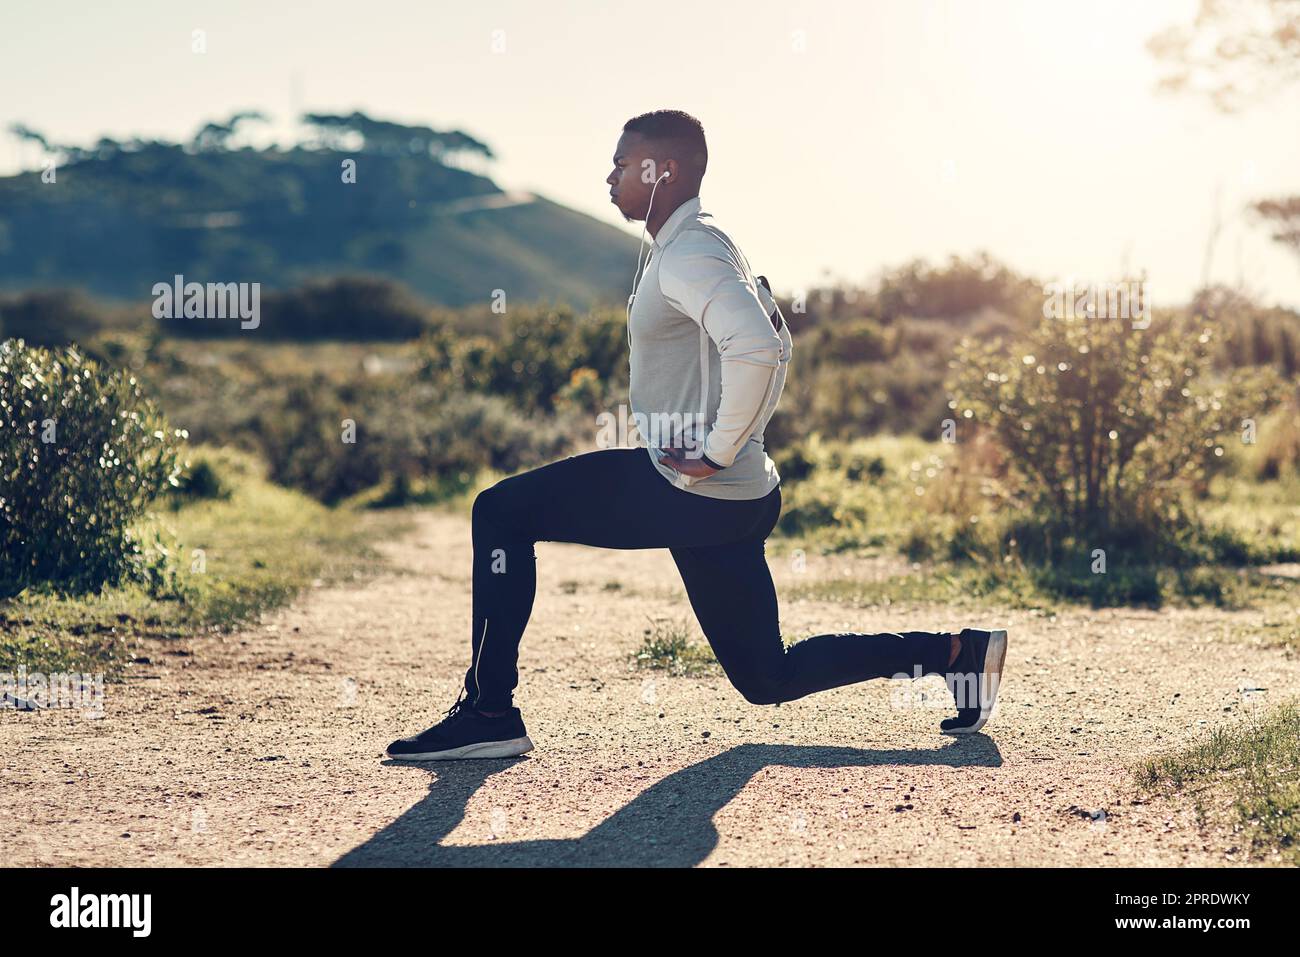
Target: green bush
[[793, 463], [1279, 456], [1108, 426], [334, 441], [904, 395], [200, 480], [852, 342], [316, 436], [1253, 334], [531, 363], [956, 289], [83, 451]]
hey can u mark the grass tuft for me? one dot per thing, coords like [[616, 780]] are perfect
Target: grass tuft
[[668, 646], [1252, 769]]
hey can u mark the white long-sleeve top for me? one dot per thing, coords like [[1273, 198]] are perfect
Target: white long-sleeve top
[[707, 365]]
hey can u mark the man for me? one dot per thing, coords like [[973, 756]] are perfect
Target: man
[[709, 353]]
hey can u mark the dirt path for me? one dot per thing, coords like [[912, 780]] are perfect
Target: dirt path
[[266, 747]]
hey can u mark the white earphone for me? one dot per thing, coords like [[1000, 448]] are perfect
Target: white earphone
[[636, 276]]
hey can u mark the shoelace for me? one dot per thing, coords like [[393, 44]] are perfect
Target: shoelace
[[461, 707]]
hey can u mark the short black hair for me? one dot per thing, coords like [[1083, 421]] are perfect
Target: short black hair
[[681, 129]]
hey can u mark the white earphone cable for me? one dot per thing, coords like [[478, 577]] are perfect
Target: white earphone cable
[[636, 276]]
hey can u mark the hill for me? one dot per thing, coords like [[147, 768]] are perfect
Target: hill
[[124, 216]]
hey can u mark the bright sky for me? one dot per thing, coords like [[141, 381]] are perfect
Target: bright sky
[[844, 137]]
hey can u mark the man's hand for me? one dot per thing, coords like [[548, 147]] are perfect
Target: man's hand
[[676, 459]]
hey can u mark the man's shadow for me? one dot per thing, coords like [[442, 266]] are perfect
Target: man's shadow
[[670, 824]]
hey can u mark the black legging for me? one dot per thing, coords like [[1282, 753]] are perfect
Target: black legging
[[615, 498]]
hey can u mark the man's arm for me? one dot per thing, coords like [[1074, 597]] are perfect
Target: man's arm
[[701, 277]]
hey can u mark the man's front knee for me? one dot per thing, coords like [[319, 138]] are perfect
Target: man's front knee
[[504, 508], [761, 691], [491, 504], [486, 504]]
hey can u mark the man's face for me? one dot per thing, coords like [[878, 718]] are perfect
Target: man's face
[[627, 190]]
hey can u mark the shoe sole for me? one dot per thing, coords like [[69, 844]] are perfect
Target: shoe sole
[[480, 749], [996, 651]]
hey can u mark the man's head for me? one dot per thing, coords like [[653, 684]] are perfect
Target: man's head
[[652, 144]]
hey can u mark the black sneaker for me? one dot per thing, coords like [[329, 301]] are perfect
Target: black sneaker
[[465, 733], [973, 678]]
